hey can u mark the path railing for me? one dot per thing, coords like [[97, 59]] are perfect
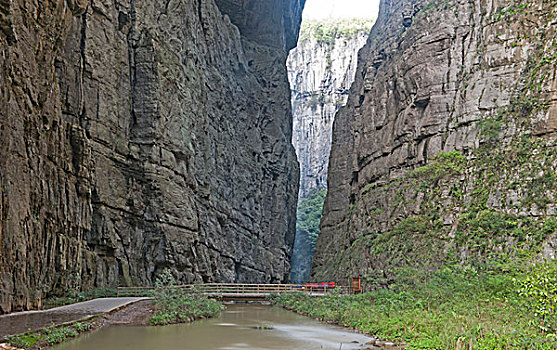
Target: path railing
[[240, 289]]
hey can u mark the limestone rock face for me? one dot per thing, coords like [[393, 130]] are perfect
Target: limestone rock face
[[140, 135], [466, 88], [320, 77]]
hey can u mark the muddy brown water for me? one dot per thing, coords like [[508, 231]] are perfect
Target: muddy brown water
[[241, 326]]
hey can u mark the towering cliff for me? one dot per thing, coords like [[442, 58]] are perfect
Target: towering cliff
[[445, 151], [321, 70], [139, 135]]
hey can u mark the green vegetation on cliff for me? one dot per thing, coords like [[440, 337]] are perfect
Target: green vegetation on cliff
[[453, 308], [492, 205], [307, 229], [457, 250], [328, 31]]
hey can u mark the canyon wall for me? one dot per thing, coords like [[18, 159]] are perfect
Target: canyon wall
[[321, 73], [143, 135], [445, 152], [321, 70]]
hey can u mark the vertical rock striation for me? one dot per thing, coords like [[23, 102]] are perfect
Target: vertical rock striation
[[321, 70], [140, 135], [445, 151], [321, 73]]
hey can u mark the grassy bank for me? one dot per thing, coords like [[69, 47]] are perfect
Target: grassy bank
[[177, 306], [454, 308], [49, 336]]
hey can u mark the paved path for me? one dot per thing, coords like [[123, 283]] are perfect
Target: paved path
[[21, 322]]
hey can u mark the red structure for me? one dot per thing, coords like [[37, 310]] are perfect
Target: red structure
[[356, 285], [321, 284]]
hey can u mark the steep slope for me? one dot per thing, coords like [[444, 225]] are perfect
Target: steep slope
[[142, 135], [321, 70], [445, 151]]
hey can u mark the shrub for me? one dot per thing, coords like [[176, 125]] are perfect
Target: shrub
[[444, 164], [58, 335], [82, 327], [23, 341], [540, 287], [177, 305]]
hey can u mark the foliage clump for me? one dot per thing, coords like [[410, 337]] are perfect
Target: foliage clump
[[540, 287], [48, 336], [444, 164], [328, 31], [178, 305], [307, 230]]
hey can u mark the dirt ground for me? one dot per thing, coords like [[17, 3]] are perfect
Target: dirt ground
[[136, 314]]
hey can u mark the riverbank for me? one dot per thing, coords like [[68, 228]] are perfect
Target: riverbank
[[178, 308], [240, 326], [137, 314], [454, 308]]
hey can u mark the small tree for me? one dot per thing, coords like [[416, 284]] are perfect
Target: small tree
[[166, 289]]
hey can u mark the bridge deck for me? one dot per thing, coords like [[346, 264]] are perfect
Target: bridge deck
[[239, 290]]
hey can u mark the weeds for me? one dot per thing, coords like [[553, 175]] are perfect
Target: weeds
[[177, 305], [48, 336], [454, 307]]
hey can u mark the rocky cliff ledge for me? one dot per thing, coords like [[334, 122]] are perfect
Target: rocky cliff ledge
[[321, 70], [139, 135], [445, 151]]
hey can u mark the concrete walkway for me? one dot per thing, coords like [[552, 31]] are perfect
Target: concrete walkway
[[21, 322]]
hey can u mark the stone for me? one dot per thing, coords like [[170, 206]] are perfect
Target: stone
[[124, 146], [425, 87], [320, 88]]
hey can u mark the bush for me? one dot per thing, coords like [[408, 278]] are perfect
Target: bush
[[540, 288], [82, 327], [58, 335], [177, 305], [444, 164], [50, 336], [23, 341]]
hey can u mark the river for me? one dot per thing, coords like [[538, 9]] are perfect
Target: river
[[240, 326]]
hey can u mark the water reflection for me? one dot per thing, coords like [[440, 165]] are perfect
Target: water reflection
[[255, 327]]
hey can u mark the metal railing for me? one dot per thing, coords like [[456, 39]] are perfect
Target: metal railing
[[235, 289]]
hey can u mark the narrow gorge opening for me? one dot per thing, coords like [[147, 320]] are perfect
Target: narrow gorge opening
[[321, 70]]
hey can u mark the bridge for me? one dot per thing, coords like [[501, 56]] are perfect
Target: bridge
[[239, 291]]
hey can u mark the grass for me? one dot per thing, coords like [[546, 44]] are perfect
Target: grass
[[452, 308], [48, 336], [177, 306]]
